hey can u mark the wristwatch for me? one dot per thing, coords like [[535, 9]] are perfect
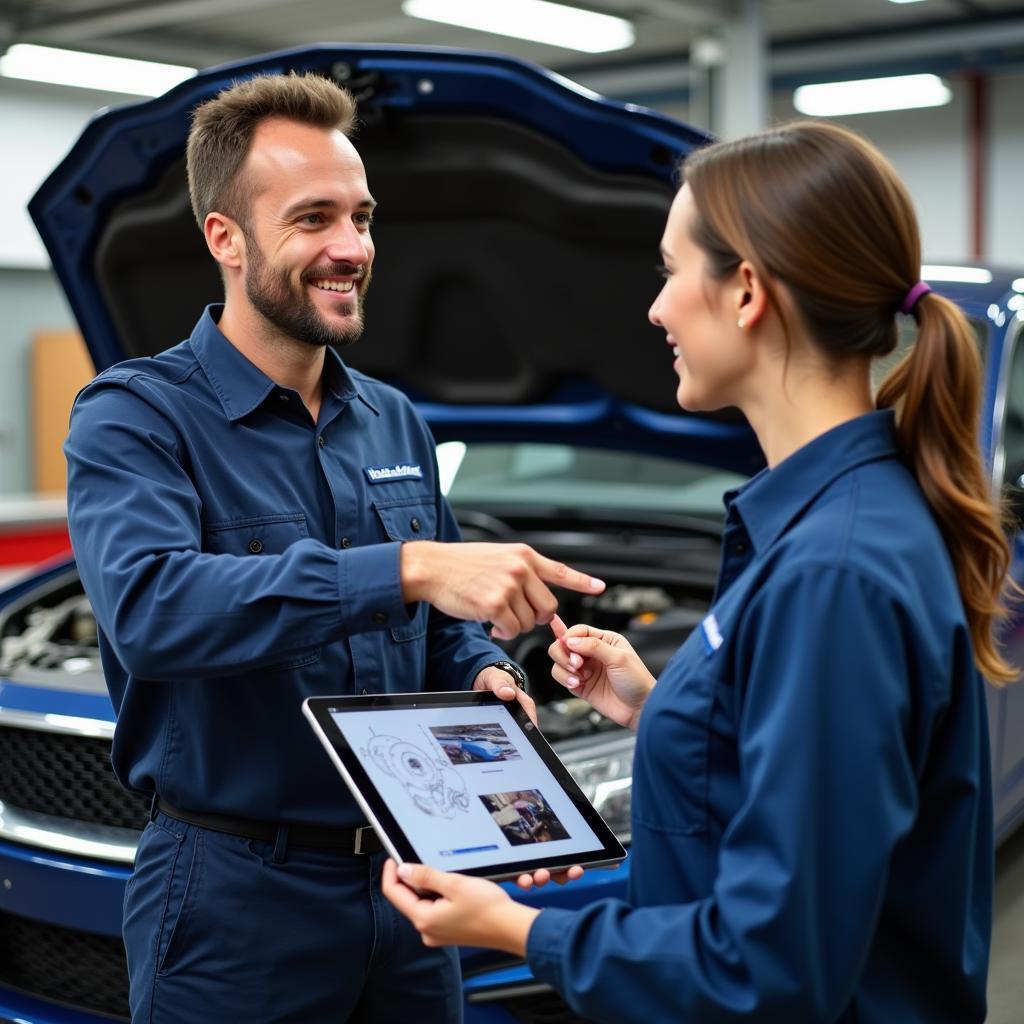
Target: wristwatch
[[514, 671]]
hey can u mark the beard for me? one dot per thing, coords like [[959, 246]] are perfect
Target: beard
[[292, 311]]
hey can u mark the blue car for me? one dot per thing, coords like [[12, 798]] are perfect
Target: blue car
[[517, 236], [473, 750]]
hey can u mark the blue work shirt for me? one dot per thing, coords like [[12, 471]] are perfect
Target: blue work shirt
[[812, 808], [240, 557]]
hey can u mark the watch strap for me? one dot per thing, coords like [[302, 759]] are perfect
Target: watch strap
[[513, 670]]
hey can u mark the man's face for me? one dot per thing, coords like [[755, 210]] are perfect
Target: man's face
[[307, 235]]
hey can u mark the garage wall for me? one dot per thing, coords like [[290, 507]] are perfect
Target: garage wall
[[30, 300], [929, 148], [39, 124], [1005, 223]]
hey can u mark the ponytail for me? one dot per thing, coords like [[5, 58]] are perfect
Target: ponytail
[[935, 391], [816, 207]]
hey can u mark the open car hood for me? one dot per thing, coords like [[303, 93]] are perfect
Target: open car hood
[[518, 229]]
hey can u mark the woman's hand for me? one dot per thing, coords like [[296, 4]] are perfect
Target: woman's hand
[[601, 667], [542, 876], [466, 912]]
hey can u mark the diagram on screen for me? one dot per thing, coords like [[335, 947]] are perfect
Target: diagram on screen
[[432, 785]]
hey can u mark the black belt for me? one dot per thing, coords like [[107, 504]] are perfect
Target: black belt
[[362, 839]]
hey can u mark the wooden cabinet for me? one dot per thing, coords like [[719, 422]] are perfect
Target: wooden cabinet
[[60, 368]]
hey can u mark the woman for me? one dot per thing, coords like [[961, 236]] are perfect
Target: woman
[[812, 833]]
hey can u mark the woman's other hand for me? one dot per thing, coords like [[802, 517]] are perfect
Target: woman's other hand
[[465, 912], [601, 667], [542, 876]]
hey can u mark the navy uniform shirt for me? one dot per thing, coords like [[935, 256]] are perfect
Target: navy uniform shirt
[[240, 558], [812, 810]]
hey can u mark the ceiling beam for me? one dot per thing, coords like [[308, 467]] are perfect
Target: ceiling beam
[[690, 12], [892, 47], [789, 60], [116, 19]]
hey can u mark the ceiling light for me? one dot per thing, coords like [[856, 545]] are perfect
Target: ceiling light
[[970, 275], [904, 1], [91, 70], [903, 92], [1018, 284], [536, 20]]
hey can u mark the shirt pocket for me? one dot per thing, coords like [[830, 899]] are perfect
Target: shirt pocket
[[671, 764], [254, 537], [409, 518]]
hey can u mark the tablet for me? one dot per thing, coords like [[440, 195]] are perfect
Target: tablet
[[462, 782]]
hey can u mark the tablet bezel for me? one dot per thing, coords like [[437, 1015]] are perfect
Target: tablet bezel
[[318, 712]]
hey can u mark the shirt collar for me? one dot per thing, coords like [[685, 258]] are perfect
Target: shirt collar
[[770, 502], [239, 384]]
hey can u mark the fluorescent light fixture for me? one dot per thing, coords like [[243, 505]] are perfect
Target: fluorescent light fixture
[[537, 20], [91, 70], [904, 1], [902, 92], [970, 275]]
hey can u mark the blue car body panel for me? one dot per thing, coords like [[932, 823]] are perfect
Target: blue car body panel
[[119, 149], [117, 154]]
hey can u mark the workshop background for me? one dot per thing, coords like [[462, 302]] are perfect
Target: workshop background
[[729, 67]]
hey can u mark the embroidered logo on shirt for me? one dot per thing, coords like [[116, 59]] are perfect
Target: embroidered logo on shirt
[[399, 471], [709, 631]]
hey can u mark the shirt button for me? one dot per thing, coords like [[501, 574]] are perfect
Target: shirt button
[[740, 547], [255, 545], [321, 440], [345, 542], [415, 524], [380, 618]]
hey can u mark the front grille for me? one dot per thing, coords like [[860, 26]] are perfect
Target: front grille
[[77, 969], [66, 776]]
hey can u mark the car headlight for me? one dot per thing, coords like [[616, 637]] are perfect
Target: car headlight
[[603, 769]]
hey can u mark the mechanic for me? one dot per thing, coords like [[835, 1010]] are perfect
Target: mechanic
[[254, 524], [812, 807]]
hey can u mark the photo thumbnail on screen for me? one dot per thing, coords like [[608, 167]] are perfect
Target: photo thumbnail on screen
[[475, 744], [524, 816]]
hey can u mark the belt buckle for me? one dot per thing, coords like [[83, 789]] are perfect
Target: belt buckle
[[358, 848]]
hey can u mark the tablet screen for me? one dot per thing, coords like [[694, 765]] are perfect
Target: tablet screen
[[468, 780]]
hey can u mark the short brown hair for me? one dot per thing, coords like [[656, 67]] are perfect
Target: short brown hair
[[222, 131]]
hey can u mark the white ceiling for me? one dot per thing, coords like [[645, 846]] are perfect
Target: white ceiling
[[205, 32]]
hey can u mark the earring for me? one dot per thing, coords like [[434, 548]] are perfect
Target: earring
[[741, 323]]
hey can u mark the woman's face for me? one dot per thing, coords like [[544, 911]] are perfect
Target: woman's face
[[713, 356]]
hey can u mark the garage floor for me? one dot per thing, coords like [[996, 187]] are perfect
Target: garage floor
[[1006, 973]]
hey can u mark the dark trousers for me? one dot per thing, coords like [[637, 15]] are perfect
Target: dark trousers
[[219, 928]]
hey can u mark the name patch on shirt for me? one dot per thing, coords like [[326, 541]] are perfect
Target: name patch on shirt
[[386, 474], [711, 634]]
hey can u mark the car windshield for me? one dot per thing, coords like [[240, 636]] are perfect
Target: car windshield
[[576, 477]]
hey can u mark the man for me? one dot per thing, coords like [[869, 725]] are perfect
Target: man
[[254, 524]]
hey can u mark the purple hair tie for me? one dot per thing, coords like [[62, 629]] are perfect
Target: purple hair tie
[[914, 296]]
